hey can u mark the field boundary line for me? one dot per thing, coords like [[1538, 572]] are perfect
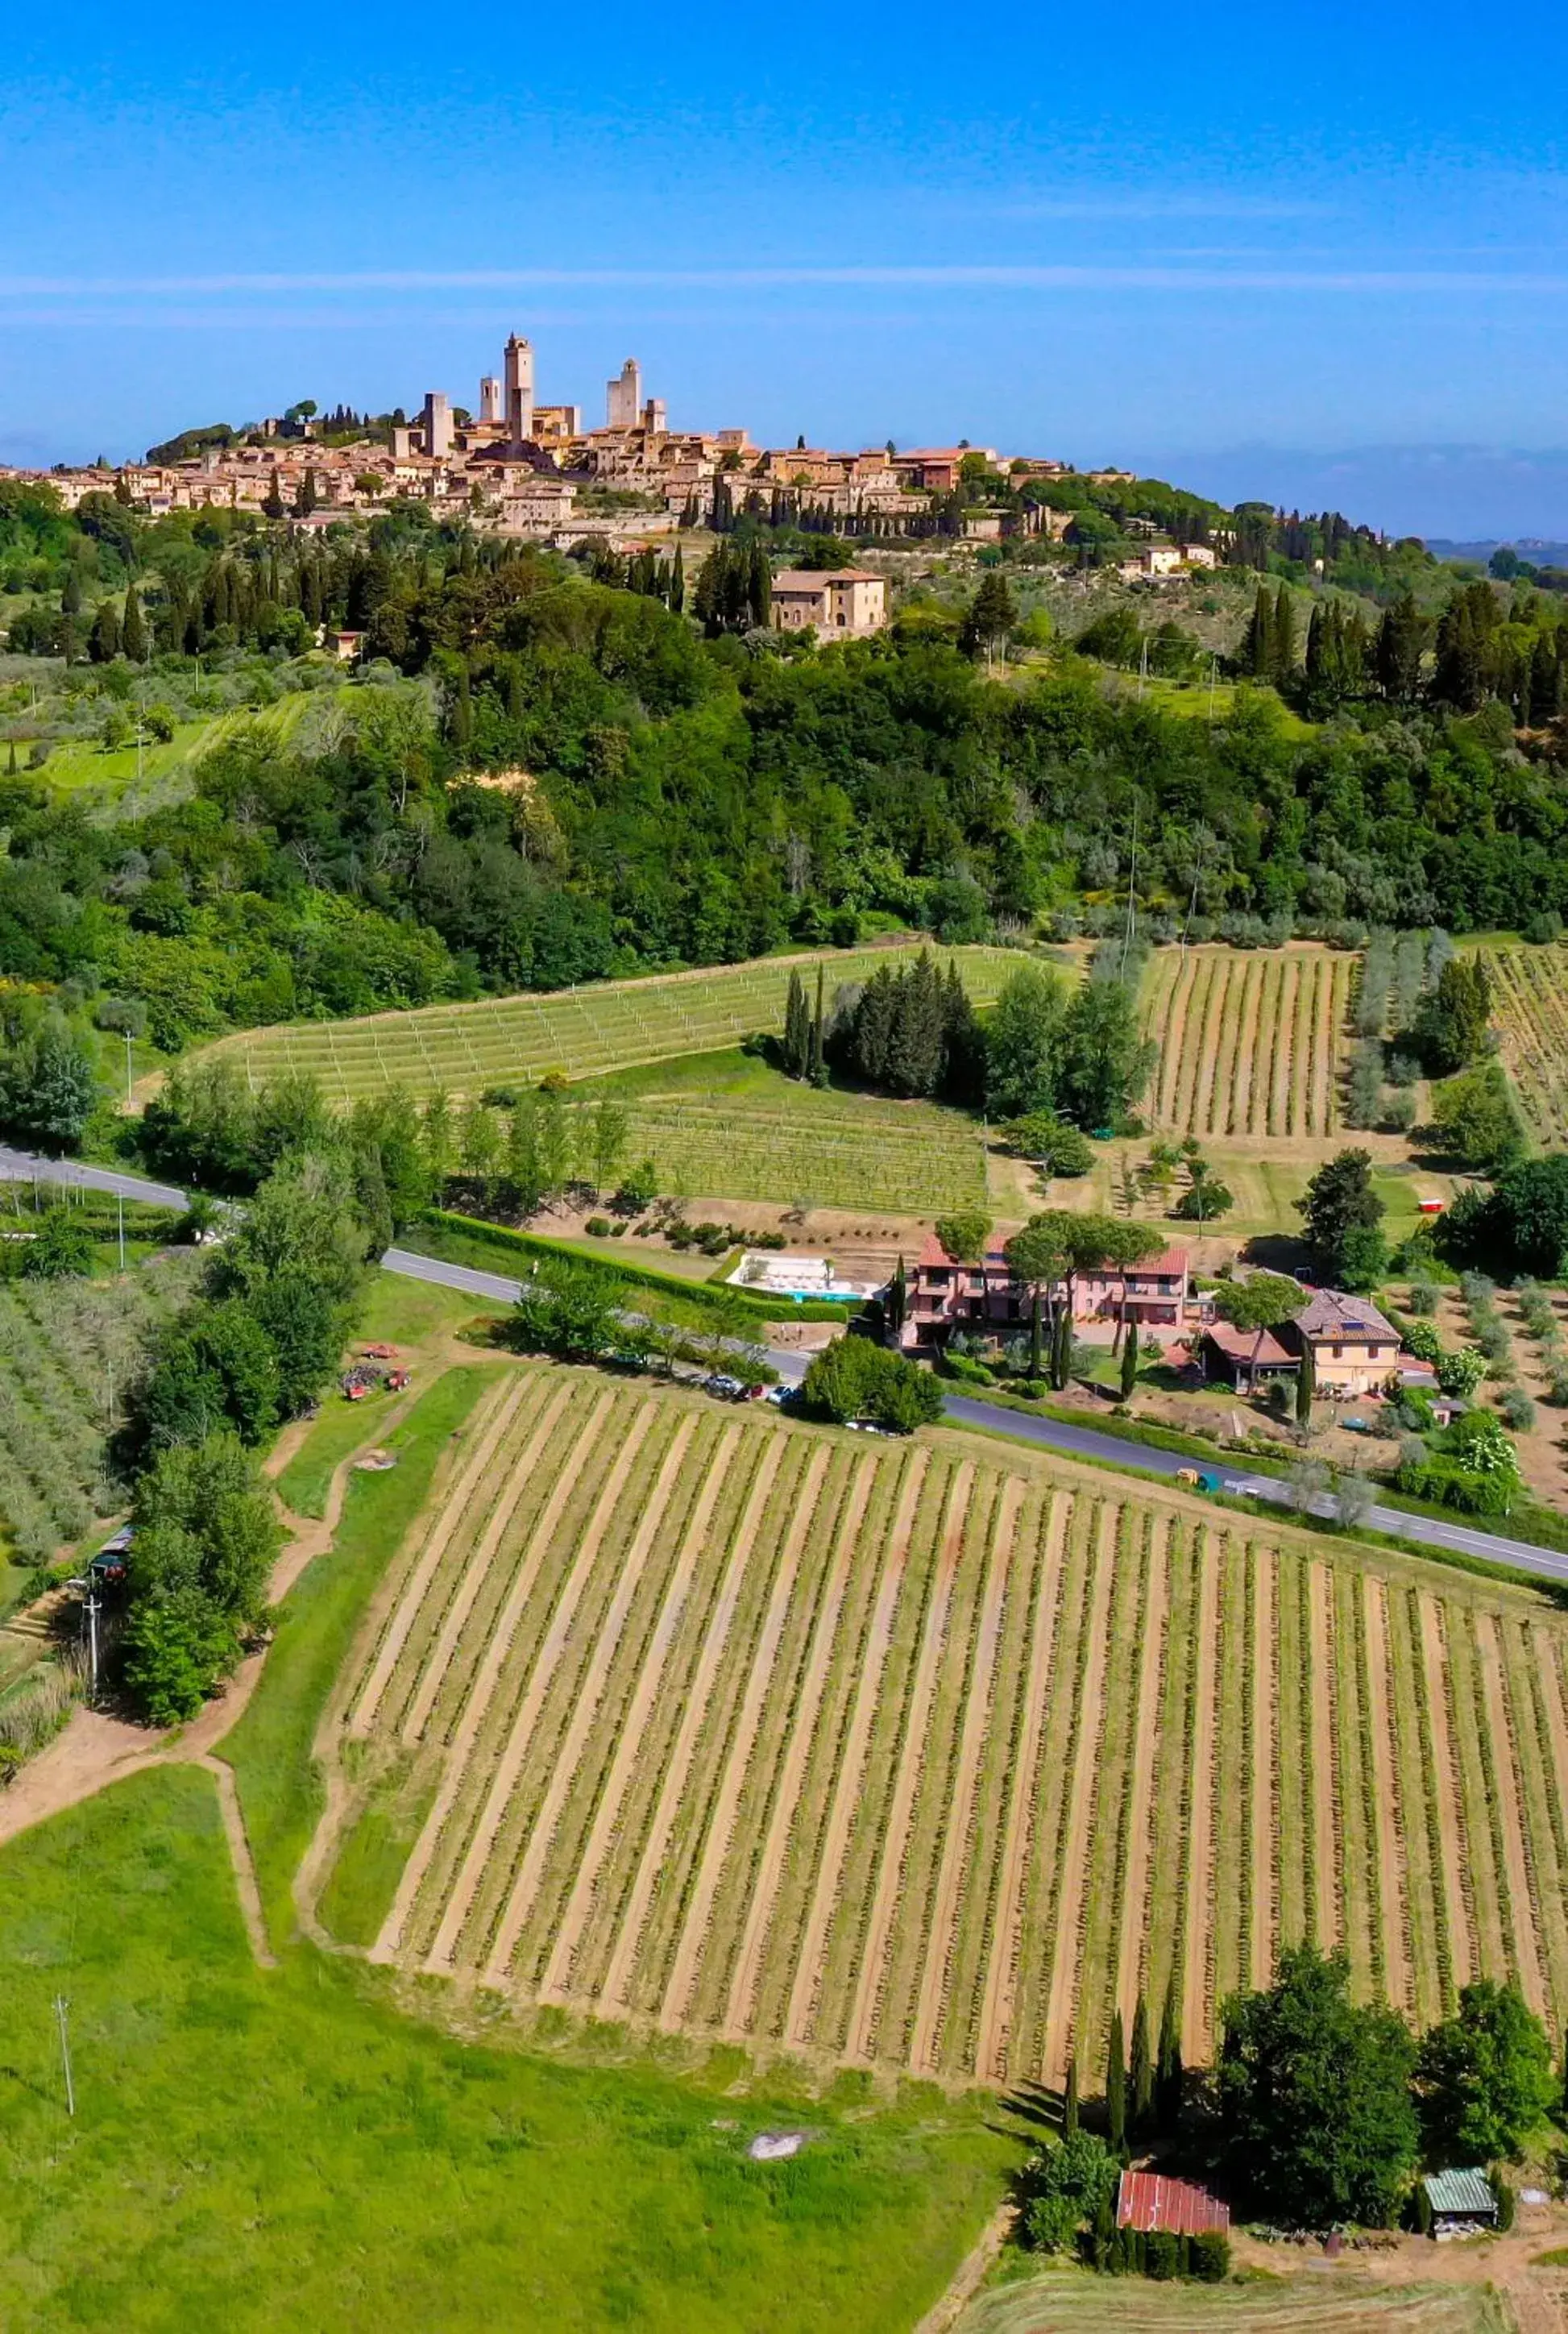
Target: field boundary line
[[247, 1887], [442, 1953], [589, 1693], [1327, 1913], [1261, 1783], [1072, 1866], [417, 1717], [629, 1750], [618, 1977], [443, 1526], [1462, 1946], [999, 2000], [1394, 1894], [1197, 1915], [477, 1702], [1515, 1849], [846, 1790], [861, 2026], [748, 1977], [953, 1870], [691, 1944], [1141, 1791]]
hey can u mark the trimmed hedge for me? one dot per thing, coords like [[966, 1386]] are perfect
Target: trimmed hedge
[[626, 1273]]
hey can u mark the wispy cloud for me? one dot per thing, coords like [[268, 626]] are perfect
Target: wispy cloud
[[940, 277]]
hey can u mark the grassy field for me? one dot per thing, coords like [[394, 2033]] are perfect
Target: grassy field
[[265, 2150], [1250, 1043], [1265, 1180], [1061, 2301], [77, 762], [923, 1758], [465, 1049], [1530, 1008]]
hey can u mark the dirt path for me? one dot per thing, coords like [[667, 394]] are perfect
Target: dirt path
[[1169, 1038], [1394, 1882], [1451, 1824], [1278, 1121], [1265, 1815], [769, 1874], [244, 1879], [618, 1978], [1240, 1118], [1141, 1788], [547, 1656], [1002, 1968], [943, 1939], [502, 1410], [1196, 1928], [1504, 1766], [1072, 1873], [970, 2274], [692, 1944], [1325, 1762], [557, 1980], [476, 1705], [860, 2030], [417, 1715], [590, 1693], [847, 1790]]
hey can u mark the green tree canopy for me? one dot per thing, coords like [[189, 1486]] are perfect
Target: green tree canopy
[[1315, 2098], [1484, 2077], [1340, 1200]]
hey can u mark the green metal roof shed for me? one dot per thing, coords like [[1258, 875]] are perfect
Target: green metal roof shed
[[1461, 2195]]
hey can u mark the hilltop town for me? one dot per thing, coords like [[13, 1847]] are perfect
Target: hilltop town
[[528, 469]]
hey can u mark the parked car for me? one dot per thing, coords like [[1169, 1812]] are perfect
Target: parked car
[[726, 1389]]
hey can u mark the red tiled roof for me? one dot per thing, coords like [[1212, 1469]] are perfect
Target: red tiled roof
[[1244, 1345], [1146, 2199]]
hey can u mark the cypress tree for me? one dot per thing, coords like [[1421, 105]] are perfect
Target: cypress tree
[[1305, 1386], [70, 593], [1070, 2101], [678, 582], [1257, 647], [1129, 1380], [133, 636], [1116, 2087], [818, 1062], [1282, 644], [1142, 2071], [103, 641], [796, 1030], [11, 761], [1062, 1349], [1167, 2070], [897, 1298]]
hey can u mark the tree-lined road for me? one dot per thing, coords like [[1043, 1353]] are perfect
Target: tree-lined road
[[1084, 1441], [30, 1167]]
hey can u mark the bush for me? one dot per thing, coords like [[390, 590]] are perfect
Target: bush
[[598, 1227], [965, 1235], [1208, 2257], [1423, 1299], [855, 1379], [1460, 1372], [1518, 1410], [1064, 2187], [1422, 1340]]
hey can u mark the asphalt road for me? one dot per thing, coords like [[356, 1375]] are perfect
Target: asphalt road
[[28, 1167], [1084, 1441]]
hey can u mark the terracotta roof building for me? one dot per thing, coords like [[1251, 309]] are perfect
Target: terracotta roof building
[[1148, 2200]]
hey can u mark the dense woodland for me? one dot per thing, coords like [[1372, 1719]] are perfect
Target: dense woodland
[[668, 797]]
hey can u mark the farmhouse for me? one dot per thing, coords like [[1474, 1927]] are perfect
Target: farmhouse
[[988, 1299], [845, 602], [1354, 1349]]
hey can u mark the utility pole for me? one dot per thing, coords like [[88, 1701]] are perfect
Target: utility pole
[[120, 1197], [61, 2007]]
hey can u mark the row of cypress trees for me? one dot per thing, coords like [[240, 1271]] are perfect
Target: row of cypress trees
[[1143, 2090]]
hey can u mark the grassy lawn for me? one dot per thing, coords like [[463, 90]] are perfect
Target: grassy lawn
[[270, 1749], [303, 1485], [399, 1312], [76, 762], [284, 2150]]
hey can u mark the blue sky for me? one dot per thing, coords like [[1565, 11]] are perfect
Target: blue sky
[[1314, 253]]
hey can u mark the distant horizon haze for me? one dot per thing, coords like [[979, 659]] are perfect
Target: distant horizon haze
[[1320, 263]]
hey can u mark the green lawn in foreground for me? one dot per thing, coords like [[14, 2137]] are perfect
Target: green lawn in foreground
[[284, 2150]]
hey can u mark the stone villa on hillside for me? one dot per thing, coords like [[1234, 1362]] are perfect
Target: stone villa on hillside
[[843, 604], [985, 1300], [1354, 1348]]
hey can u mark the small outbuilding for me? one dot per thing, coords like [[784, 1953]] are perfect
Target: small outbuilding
[[1148, 2200], [1463, 2203]]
